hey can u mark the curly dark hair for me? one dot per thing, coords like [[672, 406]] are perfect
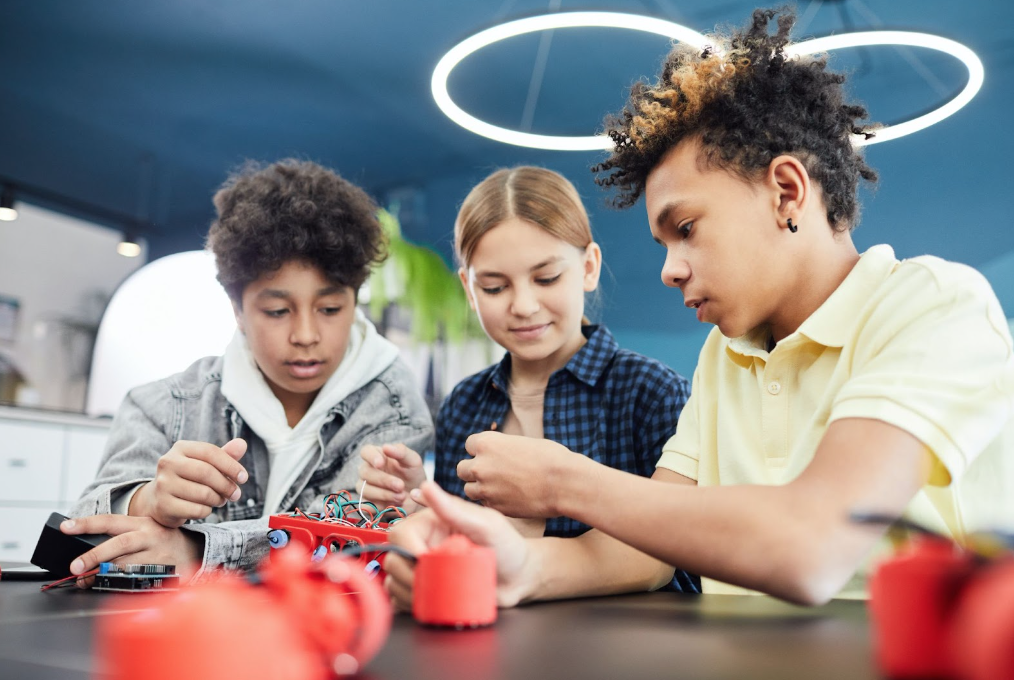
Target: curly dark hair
[[293, 210], [748, 102]]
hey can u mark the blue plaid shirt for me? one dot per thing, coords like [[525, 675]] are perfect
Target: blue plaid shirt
[[615, 406]]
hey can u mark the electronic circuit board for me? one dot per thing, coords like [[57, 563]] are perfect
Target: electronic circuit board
[[136, 578]]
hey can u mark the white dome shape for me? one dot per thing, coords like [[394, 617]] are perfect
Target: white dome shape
[[161, 319]]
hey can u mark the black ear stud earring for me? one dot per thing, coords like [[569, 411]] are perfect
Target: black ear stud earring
[[792, 227]]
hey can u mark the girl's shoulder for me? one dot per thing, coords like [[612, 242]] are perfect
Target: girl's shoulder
[[629, 361], [639, 380], [473, 385]]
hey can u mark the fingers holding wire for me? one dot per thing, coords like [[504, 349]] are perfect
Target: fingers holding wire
[[384, 487], [392, 470]]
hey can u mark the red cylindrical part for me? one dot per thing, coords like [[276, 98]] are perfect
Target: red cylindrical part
[[982, 633], [912, 599], [455, 585]]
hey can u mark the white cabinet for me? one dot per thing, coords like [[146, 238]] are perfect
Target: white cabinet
[[31, 461], [46, 460], [19, 532]]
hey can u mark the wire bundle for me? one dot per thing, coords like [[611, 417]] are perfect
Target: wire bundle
[[339, 508]]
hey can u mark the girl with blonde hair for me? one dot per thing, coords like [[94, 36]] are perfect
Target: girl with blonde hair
[[527, 260]]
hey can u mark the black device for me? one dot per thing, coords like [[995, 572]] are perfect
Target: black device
[[56, 550]]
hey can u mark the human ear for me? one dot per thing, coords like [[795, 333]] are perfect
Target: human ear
[[790, 185], [592, 266], [463, 276]]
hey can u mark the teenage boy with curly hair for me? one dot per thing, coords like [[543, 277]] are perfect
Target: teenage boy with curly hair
[[196, 462], [833, 382]]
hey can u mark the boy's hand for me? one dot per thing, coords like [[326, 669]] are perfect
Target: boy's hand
[[391, 471], [190, 480], [136, 540], [518, 476], [516, 566]]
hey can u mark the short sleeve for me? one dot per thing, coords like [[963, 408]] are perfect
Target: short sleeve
[[934, 358], [682, 452]]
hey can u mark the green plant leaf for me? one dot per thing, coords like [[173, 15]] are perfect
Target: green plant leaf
[[417, 278]]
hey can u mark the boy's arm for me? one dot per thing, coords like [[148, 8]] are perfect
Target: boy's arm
[[595, 563], [134, 540], [196, 549], [527, 569], [239, 544], [793, 541]]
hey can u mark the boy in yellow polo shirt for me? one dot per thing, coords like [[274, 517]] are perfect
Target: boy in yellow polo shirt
[[833, 381]]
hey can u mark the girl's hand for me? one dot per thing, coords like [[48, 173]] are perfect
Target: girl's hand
[[136, 540], [391, 471], [516, 567], [190, 480]]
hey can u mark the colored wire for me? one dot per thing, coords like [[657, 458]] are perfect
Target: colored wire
[[390, 508], [65, 582], [362, 495], [340, 509]]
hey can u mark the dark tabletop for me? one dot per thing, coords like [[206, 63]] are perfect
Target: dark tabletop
[[48, 635]]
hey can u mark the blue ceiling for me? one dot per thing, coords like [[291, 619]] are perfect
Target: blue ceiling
[[121, 111]]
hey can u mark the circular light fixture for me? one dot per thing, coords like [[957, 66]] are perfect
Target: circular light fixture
[[976, 72], [442, 72]]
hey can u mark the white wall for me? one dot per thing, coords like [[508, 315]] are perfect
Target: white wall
[[62, 271]]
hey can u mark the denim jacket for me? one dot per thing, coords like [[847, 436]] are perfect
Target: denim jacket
[[190, 406]]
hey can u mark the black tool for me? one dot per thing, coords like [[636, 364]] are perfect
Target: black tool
[[56, 550]]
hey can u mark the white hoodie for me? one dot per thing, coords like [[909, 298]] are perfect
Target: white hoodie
[[290, 449]]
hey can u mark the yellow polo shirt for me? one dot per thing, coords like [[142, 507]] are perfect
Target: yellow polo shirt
[[921, 344]]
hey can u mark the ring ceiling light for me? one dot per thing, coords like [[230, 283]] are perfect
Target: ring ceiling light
[[976, 73], [669, 29], [531, 25]]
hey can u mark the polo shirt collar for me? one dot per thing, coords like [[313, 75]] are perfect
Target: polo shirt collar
[[587, 365], [832, 323]]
